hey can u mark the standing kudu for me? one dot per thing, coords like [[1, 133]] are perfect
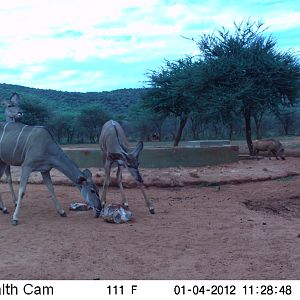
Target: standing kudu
[[33, 148], [115, 149], [13, 113]]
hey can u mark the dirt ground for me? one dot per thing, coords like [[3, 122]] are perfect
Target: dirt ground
[[239, 221]]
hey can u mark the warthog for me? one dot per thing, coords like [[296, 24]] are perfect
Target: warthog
[[270, 145]]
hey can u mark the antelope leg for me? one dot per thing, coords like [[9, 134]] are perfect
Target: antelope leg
[[107, 168], [10, 184], [147, 200], [2, 206], [119, 179], [48, 182], [23, 182]]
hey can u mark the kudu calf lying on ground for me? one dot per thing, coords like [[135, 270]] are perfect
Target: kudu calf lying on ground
[[33, 148], [13, 113], [115, 149], [270, 145]]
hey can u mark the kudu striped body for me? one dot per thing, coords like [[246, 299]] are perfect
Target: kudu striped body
[[115, 149], [34, 149]]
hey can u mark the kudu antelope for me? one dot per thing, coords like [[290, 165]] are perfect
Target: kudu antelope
[[115, 149], [12, 109], [13, 113], [34, 149]]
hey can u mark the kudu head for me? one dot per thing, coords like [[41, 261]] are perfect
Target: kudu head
[[12, 109], [131, 161], [89, 191]]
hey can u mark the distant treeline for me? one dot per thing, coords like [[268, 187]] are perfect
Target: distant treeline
[[117, 101], [78, 117], [73, 117]]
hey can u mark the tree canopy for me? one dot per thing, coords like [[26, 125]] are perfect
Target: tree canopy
[[92, 119], [238, 73], [173, 91], [35, 113], [245, 73]]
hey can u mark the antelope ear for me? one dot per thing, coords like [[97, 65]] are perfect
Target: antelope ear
[[15, 99], [80, 179], [125, 154], [87, 173], [139, 147], [117, 156]]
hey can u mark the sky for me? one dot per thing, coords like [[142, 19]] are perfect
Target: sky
[[97, 45]]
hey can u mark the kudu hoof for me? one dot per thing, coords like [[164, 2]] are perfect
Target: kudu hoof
[[15, 222], [5, 211], [152, 211], [63, 214]]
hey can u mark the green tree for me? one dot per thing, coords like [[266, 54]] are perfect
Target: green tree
[[63, 126], [146, 122], [172, 91], [245, 73], [35, 113], [287, 117], [91, 119]]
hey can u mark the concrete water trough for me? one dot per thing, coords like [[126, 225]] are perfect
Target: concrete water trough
[[208, 143], [163, 157]]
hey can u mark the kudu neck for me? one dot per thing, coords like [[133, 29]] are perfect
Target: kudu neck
[[65, 165]]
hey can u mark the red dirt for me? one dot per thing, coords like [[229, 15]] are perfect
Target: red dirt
[[235, 231]]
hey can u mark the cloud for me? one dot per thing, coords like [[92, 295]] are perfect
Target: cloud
[[75, 80], [68, 34], [129, 34], [287, 20], [79, 29]]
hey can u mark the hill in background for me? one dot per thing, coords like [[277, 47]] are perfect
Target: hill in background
[[117, 102]]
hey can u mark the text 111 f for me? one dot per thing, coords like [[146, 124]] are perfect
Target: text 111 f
[[119, 289]]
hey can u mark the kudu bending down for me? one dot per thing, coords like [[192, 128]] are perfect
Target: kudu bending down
[[115, 149], [33, 148], [13, 113]]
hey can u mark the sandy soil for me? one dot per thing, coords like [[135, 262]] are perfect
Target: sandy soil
[[239, 221]]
